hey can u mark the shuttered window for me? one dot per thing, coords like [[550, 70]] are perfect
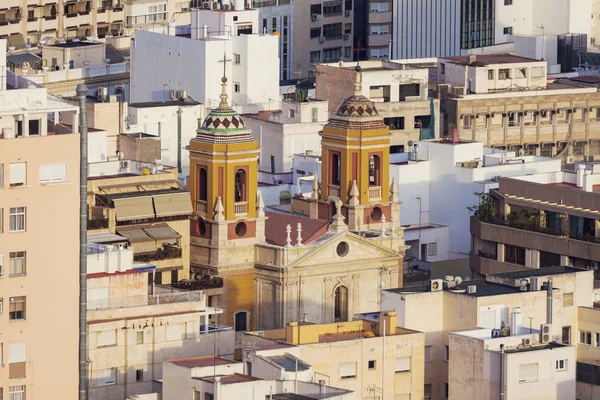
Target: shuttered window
[[528, 372], [347, 370], [16, 352], [53, 173], [402, 364], [106, 338], [18, 174], [1, 270], [106, 376]]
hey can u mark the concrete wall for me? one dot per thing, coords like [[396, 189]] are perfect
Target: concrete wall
[[95, 54]]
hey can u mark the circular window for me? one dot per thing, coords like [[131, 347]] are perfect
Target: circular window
[[376, 213], [201, 228], [240, 229], [342, 249]]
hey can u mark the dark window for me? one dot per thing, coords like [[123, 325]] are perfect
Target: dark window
[[507, 30], [409, 90], [394, 123], [395, 149], [333, 54], [374, 171], [235, 18], [315, 9], [139, 375], [446, 390], [19, 128], [202, 184], [240, 185], [332, 7], [335, 169], [16, 308], [174, 276], [342, 249], [514, 255], [340, 313], [348, 5], [376, 214], [508, 2], [241, 321], [315, 56], [244, 30], [371, 364], [241, 229], [566, 335], [315, 32], [332, 31], [477, 23], [549, 259]]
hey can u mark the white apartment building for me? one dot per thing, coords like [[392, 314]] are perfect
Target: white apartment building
[[248, 56], [39, 171]]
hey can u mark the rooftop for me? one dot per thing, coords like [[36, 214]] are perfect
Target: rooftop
[[188, 101], [288, 363], [288, 396], [547, 346], [228, 379], [200, 362], [490, 59], [556, 270], [72, 44], [276, 223]]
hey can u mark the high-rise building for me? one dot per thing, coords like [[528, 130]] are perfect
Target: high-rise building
[[39, 240]]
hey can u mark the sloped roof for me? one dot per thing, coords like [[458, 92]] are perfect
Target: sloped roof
[[276, 223]]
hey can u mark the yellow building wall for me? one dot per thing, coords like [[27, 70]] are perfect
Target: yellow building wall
[[239, 294]]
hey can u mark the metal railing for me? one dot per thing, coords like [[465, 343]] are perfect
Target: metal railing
[[146, 300], [240, 208], [334, 191], [374, 193], [214, 328]]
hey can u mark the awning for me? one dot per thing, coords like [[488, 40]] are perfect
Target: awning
[[131, 208], [135, 235], [105, 238], [161, 232], [16, 40], [173, 204]]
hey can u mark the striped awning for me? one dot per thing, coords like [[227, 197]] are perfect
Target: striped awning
[[161, 232], [167, 205], [135, 235], [131, 208]]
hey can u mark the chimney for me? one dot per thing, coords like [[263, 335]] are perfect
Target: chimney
[[292, 332], [391, 322], [549, 301], [472, 58], [455, 136], [516, 321]]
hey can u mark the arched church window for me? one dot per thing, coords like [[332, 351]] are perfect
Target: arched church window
[[336, 168], [374, 171], [340, 313], [240, 322], [202, 184], [240, 185]]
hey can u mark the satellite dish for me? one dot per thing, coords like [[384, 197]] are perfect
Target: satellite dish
[[458, 280], [410, 143]]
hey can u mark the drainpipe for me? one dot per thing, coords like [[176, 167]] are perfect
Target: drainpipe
[[82, 92], [179, 112], [502, 372], [549, 301]]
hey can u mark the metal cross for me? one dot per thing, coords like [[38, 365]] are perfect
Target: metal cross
[[225, 61], [357, 51]]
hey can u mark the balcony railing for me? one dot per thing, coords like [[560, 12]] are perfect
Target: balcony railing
[[148, 300], [214, 328], [240, 208], [201, 207], [93, 224], [165, 253], [204, 282], [334, 191], [374, 193]]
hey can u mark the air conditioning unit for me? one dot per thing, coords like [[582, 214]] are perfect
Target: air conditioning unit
[[322, 39], [101, 93], [545, 333], [526, 342], [315, 16], [435, 285], [347, 13], [226, 6], [215, 5], [346, 36], [471, 289], [535, 283], [206, 5], [570, 160]]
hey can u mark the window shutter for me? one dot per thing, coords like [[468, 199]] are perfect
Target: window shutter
[[18, 173], [106, 338], [176, 332], [402, 364], [53, 172], [528, 372], [347, 370], [16, 352], [1, 265]]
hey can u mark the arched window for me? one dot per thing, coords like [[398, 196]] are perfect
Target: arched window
[[374, 171], [240, 185], [202, 184], [240, 321], [340, 313], [335, 169]]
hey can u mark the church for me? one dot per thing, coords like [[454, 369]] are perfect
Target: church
[[326, 259]]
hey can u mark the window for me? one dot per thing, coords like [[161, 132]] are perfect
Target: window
[[240, 185], [566, 335], [237, 59], [446, 353], [209, 396], [1, 176], [1, 220], [18, 174], [17, 219], [315, 33], [139, 375], [508, 2], [446, 390], [431, 249], [16, 392], [1, 357], [508, 30], [236, 87], [106, 338], [528, 373], [16, 360], [347, 51], [315, 56], [585, 337], [107, 376], [332, 31], [175, 332], [490, 74], [1, 308], [34, 124], [241, 321], [335, 169], [380, 7], [347, 370], [561, 365], [536, 72], [202, 183], [380, 29], [567, 299], [340, 312], [314, 115], [520, 73], [332, 54], [374, 171], [292, 113], [466, 121], [16, 308], [347, 28], [17, 263], [597, 341], [315, 9], [371, 364], [514, 255], [504, 74], [332, 7], [428, 354], [402, 364], [427, 391], [378, 52], [139, 337], [1, 270]]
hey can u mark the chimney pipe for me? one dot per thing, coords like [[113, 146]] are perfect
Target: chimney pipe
[[82, 92], [502, 371], [454, 136], [549, 301]]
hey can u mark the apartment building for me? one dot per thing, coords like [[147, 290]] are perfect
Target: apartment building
[[323, 33], [134, 325], [39, 186], [449, 305], [28, 22], [507, 101], [372, 29], [399, 90], [369, 356], [588, 352], [483, 366], [538, 221]]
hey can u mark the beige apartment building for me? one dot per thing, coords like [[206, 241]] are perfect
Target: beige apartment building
[[323, 32], [447, 306], [508, 102], [370, 355], [379, 28], [588, 354], [39, 238]]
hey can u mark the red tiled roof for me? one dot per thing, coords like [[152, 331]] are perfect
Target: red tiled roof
[[276, 223], [207, 361]]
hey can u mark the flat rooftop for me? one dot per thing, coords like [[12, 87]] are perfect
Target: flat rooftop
[[555, 270], [288, 363], [188, 101], [229, 379], [572, 186], [200, 362], [75, 44], [547, 346], [489, 59], [288, 396]]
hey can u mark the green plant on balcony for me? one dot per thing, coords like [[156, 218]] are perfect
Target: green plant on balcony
[[484, 210], [164, 253]]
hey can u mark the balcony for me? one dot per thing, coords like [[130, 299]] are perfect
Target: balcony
[[374, 193], [94, 224], [165, 253], [50, 23], [201, 207], [240, 208], [33, 25], [334, 191], [149, 300]]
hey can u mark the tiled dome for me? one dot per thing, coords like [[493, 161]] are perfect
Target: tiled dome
[[358, 106], [223, 119]]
